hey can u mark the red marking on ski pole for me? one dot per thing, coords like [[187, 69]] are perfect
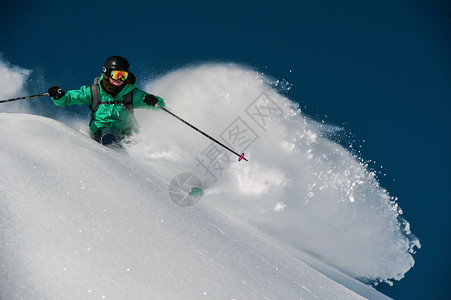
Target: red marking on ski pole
[[241, 157]]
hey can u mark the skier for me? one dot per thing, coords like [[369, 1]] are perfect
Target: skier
[[111, 98]]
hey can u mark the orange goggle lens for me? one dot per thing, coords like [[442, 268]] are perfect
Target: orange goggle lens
[[119, 75]]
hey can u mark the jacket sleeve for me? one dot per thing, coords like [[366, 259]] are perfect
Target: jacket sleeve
[[79, 97], [138, 100]]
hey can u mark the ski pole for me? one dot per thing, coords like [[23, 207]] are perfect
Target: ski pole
[[240, 156], [22, 98]]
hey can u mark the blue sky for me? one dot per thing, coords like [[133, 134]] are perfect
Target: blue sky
[[382, 70]]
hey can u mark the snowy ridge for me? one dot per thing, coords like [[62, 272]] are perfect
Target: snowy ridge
[[80, 221]]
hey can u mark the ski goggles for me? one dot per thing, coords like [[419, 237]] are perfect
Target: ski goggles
[[119, 75]]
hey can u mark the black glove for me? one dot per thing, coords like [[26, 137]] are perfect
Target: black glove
[[56, 92], [151, 100]]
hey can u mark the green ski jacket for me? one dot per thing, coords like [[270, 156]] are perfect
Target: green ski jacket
[[111, 112]]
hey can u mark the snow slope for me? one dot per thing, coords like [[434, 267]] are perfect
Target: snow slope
[[81, 221], [301, 191]]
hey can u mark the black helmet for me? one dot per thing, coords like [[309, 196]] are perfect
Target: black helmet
[[116, 63]]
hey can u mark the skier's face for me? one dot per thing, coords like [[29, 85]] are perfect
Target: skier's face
[[116, 82]]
